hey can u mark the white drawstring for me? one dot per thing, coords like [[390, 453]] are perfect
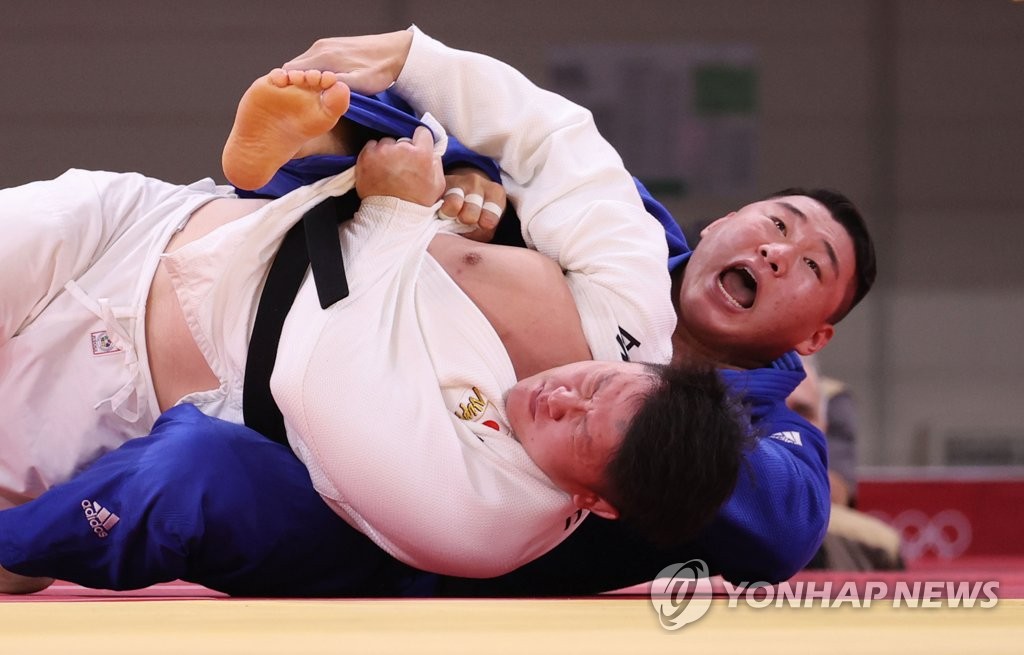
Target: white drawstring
[[120, 338]]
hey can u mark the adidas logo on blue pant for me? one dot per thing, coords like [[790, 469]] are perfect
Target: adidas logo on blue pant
[[101, 519]]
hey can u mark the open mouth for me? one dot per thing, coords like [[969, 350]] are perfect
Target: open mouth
[[739, 285]]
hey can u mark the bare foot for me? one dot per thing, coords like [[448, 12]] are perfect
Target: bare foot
[[12, 583], [279, 113]]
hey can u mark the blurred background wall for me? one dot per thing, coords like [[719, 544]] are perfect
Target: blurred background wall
[[915, 108]]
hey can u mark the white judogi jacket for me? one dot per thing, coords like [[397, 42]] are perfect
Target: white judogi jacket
[[393, 397]]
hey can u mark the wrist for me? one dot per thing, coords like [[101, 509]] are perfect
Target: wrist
[[402, 44]]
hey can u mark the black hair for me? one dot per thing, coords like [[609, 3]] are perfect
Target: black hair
[[680, 457]]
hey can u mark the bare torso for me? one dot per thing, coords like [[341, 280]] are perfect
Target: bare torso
[[521, 292], [524, 296]]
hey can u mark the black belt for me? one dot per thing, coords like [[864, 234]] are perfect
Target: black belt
[[312, 242]]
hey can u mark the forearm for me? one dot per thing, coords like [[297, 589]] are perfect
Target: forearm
[[772, 525], [577, 203], [547, 147], [779, 508]]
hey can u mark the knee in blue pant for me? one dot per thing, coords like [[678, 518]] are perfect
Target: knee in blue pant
[[200, 500], [252, 523]]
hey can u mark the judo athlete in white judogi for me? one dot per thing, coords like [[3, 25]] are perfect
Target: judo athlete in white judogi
[[402, 398]]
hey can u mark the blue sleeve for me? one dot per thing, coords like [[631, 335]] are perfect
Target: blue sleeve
[[456, 155], [775, 520], [678, 249]]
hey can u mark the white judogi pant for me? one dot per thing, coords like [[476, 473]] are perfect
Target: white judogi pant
[[77, 255]]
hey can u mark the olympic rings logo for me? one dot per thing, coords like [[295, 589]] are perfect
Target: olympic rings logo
[[946, 535]]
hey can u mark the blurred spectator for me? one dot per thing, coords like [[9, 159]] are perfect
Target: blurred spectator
[[854, 541], [840, 431]]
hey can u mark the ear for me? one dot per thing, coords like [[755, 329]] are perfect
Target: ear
[[711, 225], [595, 504], [816, 341]]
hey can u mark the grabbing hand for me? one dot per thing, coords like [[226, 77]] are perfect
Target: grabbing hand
[[367, 64], [473, 199], [404, 168]]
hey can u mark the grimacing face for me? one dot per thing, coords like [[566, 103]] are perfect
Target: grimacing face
[[767, 279], [571, 420]]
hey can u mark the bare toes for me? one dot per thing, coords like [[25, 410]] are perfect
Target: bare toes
[[278, 77], [336, 98]]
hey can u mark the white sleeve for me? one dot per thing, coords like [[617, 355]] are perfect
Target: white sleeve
[[54, 230], [577, 203]]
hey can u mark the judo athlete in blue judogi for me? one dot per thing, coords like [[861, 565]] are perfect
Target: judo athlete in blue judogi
[[215, 503]]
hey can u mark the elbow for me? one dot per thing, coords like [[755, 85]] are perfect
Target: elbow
[[769, 540], [778, 554]]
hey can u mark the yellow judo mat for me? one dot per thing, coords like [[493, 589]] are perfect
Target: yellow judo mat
[[628, 626]]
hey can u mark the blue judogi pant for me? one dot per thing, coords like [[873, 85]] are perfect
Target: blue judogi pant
[[203, 500]]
